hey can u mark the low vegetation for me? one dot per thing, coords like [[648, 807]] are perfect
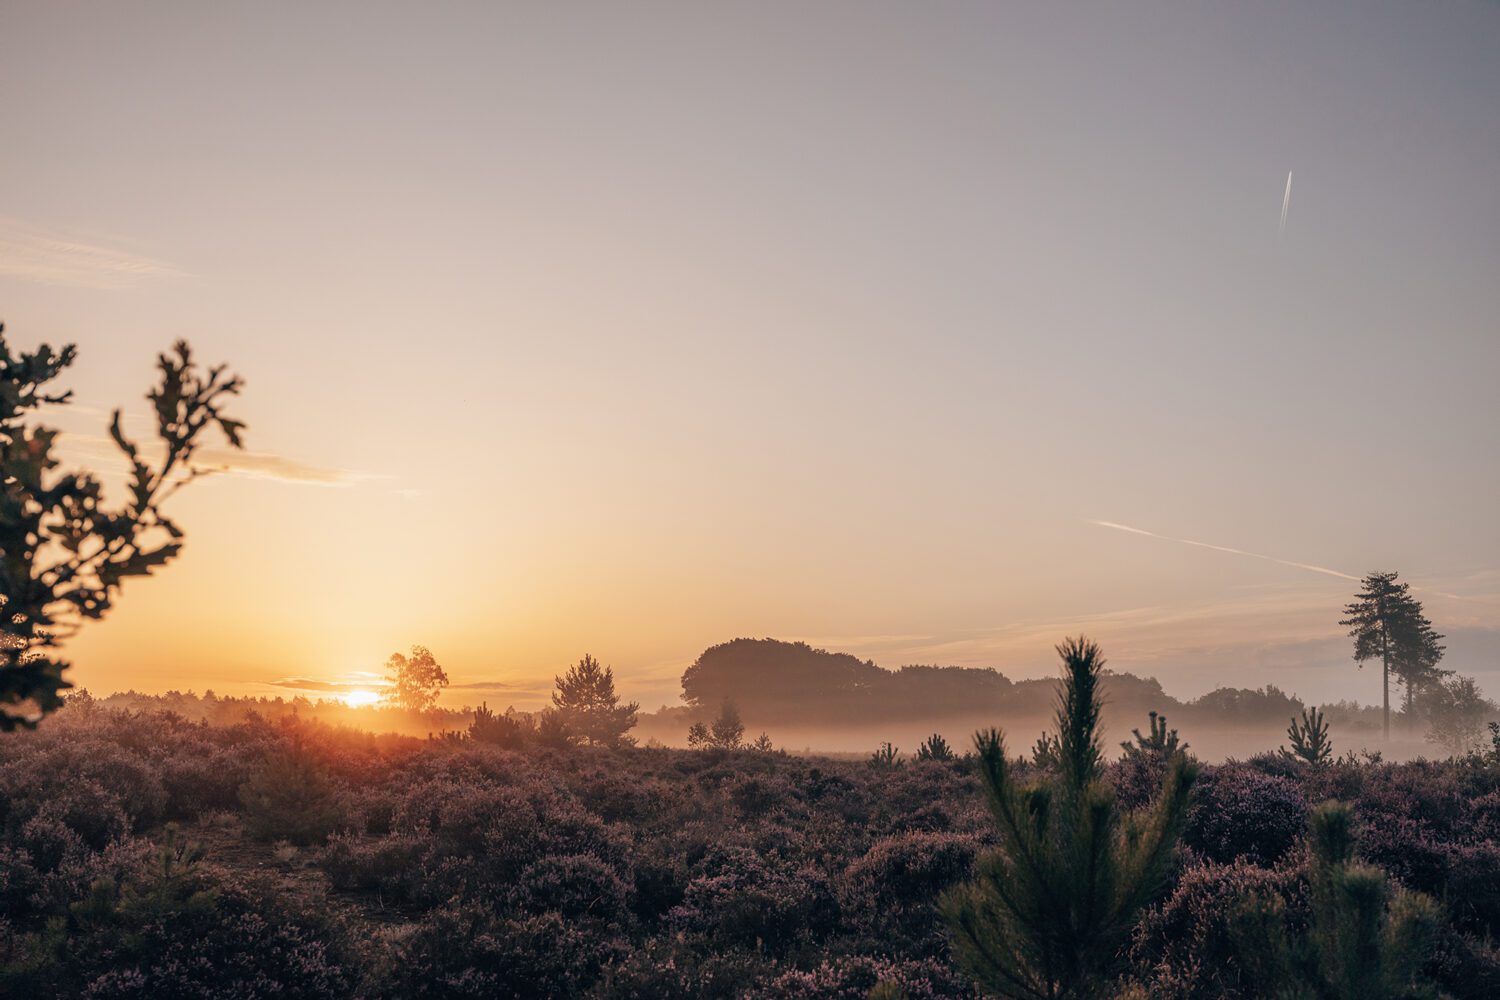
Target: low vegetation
[[143, 853]]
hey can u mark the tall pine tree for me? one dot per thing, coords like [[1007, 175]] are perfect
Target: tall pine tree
[[1387, 623]]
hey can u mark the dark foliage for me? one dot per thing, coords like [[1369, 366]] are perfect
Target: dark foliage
[[1239, 813], [587, 708], [1309, 739], [473, 869], [1052, 907], [64, 554]]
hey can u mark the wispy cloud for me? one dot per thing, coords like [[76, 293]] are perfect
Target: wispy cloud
[[264, 465], [251, 464], [326, 687], [1224, 548], [32, 253], [500, 686]]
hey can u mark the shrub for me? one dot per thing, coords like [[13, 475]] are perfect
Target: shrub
[[384, 865], [753, 900], [575, 886], [463, 951], [1309, 739], [892, 888], [1184, 947], [290, 798], [1240, 813], [497, 730], [859, 977]]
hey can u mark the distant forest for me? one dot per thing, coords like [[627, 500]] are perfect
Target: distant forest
[[794, 683], [778, 685]]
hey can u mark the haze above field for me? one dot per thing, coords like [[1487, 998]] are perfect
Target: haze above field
[[635, 332]]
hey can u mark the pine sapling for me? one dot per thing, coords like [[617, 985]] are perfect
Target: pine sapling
[[887, 758], [1364, 938], [1159, 746], [935, 748], [1309, 739], [1051, 909]]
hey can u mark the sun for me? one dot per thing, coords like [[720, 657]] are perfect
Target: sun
[[359, 699]]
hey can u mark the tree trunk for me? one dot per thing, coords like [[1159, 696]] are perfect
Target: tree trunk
[[1385, 685]]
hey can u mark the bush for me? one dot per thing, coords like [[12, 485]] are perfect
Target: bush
[[752, 900], [1240, 813], [575, 886], [466, 951], [1184, 946], [855, 977], [383, 865], [891, 890], [291, 798]]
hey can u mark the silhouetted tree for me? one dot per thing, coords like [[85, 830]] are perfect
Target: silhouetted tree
[[935, 748], [414, 681], [886, 758], [1051, 908], [1309, 739], [725, 733], [763, 744], [552, 729], [1457, 714], [497, 730], [63, 553], [1160, 745], [1365, 939], [1385, 621], [590, 709], [1487, 756]]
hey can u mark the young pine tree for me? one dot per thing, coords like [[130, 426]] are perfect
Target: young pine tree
[[1051, 908], [1161, 745], [497, 730], [724, 733], [1364, 939], [1045, 752], [1309, 739], [935, 748], [588, 706], [552, 729], [886, 758]]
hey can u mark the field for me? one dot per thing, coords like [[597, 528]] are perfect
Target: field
[[145, 854]]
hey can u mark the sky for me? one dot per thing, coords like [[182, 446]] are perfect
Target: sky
[[630, 329]]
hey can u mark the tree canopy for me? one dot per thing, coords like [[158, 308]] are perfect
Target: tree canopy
[[1388, 624], [588, 707], [414, 680]]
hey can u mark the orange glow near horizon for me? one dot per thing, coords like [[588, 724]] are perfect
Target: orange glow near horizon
[[359, 699], [591, 365]]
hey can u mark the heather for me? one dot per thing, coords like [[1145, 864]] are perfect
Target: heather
[[143, 853]]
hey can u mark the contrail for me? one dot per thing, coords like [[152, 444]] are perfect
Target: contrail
[[1224, 548], [1286, 201]]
